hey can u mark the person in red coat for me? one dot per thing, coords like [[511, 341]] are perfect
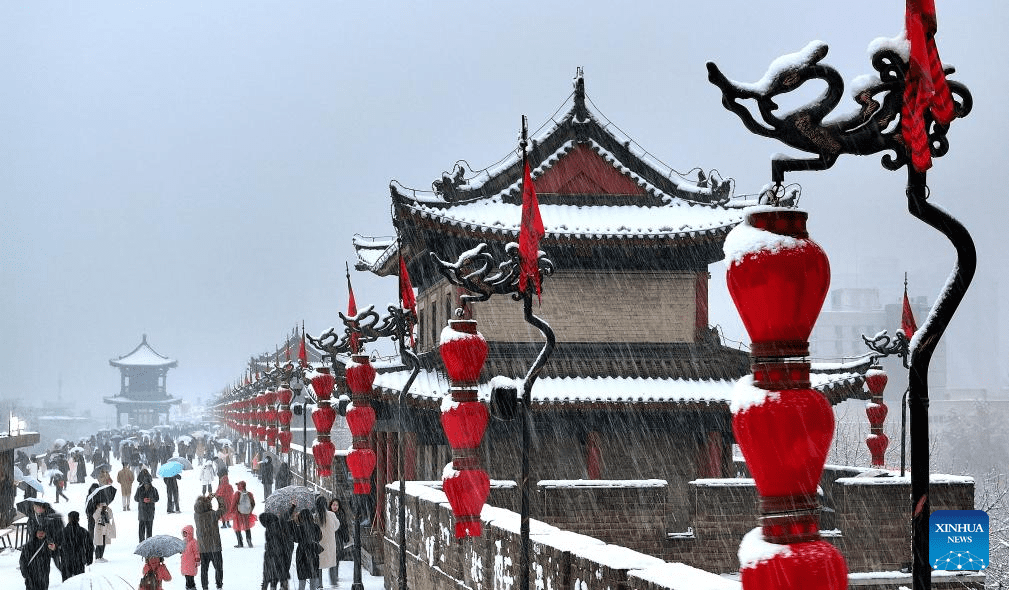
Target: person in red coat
[[225, 494], [190, 557], [155, 566], [242, 504]]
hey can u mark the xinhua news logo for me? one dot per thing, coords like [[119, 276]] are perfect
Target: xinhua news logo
[[958, 540]]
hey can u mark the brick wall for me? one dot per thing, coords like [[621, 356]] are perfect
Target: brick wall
[[636, 306]]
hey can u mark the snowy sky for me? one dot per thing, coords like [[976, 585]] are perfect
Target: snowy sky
[[195, 171]]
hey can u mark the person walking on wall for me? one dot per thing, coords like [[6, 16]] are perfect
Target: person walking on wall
[[146, 497], [125, 479]]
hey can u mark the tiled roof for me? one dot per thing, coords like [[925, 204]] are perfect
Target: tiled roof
[[143, 356]]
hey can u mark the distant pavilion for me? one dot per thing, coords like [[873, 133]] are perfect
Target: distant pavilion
[[142, 395]]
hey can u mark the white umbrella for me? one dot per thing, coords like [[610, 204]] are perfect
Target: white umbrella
[[59, 443], [98, 580]]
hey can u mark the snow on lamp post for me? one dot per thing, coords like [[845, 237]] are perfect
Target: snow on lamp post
[[912, 87], [778, 279]]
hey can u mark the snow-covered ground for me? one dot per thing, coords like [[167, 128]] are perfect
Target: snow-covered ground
[[242, 567]]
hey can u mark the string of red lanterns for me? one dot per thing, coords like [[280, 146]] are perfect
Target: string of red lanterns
[[876, 410], [323, 417], [778, 279], [464, 350], [360, 420]]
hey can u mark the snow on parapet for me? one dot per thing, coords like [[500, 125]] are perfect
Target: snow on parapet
[[602, 483], [753, 549], [746, 395], [744, 239], [679, 576], [806, 56]]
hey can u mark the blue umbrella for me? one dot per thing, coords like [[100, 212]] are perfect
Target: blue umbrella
[[170, 469]]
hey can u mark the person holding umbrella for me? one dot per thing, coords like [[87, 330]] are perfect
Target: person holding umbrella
[[146, 497], [279, 549], [154, 573], [77, 547], [58, 481], [172, 488], [105, 530], [35, 557], [125, 479], [306, 559]]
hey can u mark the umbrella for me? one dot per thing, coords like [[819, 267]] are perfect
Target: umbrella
[[98, 469], [224, 441], [186, 463], [31, 481], [52, 472], [199, 433], [160, 546], [98, 580], [25, 506], [170, 469], [59, 443], [280, 501], [18, 474], [103, 495], [185, 438], [77, 450]]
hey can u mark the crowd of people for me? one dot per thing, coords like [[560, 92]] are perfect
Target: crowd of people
[[310, 539]]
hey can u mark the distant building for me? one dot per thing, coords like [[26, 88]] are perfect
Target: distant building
[[142, 394]]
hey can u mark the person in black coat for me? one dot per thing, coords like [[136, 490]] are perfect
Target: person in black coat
[[278, 553], [76, 548], [266, 476], [283, 478], [82, 470], [36, 555], [306, 558], [172, 489], [146, 496]]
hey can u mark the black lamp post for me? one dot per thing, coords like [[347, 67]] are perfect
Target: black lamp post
[[479, 273], [867, 132]]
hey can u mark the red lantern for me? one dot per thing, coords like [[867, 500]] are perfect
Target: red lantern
[[464, 424], [785, 441], [284, 417], [463, 350], [876, 410], [284, 396], [323, 418], [467, 491], [361, 464], [271, 433], [285, 436], [360, 420], [875, 381], [876, 413], [799, 566], [323, 451], [877, 444], [360, 374], [778, 279], [322, 383]]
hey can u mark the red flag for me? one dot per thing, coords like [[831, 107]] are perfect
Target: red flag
[[907, 322], [530, 234], [355, 338], [407, 299], [302, 353], [925, 84]]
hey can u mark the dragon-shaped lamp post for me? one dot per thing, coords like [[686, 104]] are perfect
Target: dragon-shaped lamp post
[[482, 276], [365, 327], [883, 346], [869, 131]]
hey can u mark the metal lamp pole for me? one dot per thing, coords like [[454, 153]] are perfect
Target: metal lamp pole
[[866, 132]]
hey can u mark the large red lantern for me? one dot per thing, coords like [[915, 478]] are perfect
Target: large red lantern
[[361, 419], [778, 279], [323, 451], [322, 383], [464, 419]]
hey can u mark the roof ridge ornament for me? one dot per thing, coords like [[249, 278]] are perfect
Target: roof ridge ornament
[[580, 111]]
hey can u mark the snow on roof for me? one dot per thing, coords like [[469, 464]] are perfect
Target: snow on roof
[[372, 252], [143, 356], [432, 385], [677, 219]]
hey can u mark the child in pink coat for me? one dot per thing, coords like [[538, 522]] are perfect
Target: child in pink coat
[[190, 557]]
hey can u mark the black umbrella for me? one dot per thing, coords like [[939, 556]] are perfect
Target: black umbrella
[[280, 501], [160, 546], [27, 505], [98, 469], [103, 495]]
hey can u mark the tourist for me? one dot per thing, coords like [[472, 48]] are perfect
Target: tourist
[[208, 537], [125, 479], [207, 475], [145, 497], [154, 573], [190, 557], [243, 502], [329, 526], [60, 483], [283, 478], [105, 530], [82, 469], [279, 549], [36, 555], [306, 557], [226, 494], [172, 491], [77, 547], [266, 476]]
